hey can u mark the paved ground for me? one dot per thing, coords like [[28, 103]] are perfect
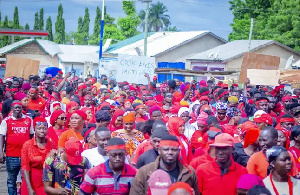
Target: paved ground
[[3, 185]]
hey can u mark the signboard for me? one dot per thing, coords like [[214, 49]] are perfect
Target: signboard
[[290, 77], [263, 77], [108, 66], [133, 68], [21, 67], [258, 61]]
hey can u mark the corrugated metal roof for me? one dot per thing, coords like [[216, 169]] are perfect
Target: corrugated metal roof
[[160, 42], [127, 41], [78, 53], [49, 47], [233, 50]]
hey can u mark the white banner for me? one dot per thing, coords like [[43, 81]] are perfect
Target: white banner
[[108, 66], [133, 68]]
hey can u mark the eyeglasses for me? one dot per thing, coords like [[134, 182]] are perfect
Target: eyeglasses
[[62, 118], [41, 123]]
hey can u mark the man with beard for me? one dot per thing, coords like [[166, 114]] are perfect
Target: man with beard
[[167, 161], [258, 164], [112, 177], [221, 175]]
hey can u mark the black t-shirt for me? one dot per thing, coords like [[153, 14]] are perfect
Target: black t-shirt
[[173, 174], [146, 158]]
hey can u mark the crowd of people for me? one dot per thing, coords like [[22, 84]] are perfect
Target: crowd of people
[[63, 135]]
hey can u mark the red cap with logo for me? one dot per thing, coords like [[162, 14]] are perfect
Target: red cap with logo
[[264, 118], [73, 148]]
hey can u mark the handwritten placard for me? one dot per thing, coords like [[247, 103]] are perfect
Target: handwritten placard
[[133, 68], [108, 66], [263, 77]]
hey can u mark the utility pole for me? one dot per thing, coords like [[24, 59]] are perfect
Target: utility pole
[[146, 25], [250, 34]]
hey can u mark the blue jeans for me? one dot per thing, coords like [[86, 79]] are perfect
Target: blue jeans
[[13, 166]]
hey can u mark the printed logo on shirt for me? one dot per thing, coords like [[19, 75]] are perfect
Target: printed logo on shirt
[[26, 122], [200, 139], [19, 129], [40, 103]]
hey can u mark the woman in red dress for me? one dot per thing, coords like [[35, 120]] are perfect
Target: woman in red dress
[[33, 155]]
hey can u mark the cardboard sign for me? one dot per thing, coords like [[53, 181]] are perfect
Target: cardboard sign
[[258, 61], [263, 77], [21, 67], [133, 68], [290, 76]]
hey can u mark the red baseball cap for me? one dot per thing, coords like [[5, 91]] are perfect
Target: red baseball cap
[[159, 182], [74, 148], [223, 140], [264, 118]]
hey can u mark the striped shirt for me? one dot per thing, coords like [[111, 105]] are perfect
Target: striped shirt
[[102, 180]]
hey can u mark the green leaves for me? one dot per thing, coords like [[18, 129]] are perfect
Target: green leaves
[[274, 19]]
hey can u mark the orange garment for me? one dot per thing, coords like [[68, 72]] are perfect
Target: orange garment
[[258, 165], [65, 136], [132, 139], [142, 148], [65, 100], [38, 104]]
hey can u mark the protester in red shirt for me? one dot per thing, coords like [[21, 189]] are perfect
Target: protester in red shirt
[[58, 121], [295, 150], [33, 155], [17, 129], [220, 176], [36, 103]]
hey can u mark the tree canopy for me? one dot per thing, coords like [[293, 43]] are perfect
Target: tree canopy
[[274, 19]]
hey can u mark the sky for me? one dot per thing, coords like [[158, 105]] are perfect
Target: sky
[[186, 15]]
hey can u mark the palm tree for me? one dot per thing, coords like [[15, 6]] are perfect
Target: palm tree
[[158, 19], [172, 28]]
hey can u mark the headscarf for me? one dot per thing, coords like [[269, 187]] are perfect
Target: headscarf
[[129, 117], [245, 126], [192, 105], [54, 104], [247, 181], [26, 86], [55, 115], [116, 114], [221, 106], [38, 119], [80, 113], [202, 118], [233, 99], [70, 105], [251, 136], [173, 126], [181, 185], [102, 115], [19, 96], [232, 111], [286, 97], [272, 154], [152, 109], [287, 136], [182, 110]]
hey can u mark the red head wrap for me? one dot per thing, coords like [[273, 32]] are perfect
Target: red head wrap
[[38, 119], [55, 115], [81, 114], [181, 185], [251, 136]]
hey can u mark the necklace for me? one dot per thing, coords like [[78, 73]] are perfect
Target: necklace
[[290, 183]]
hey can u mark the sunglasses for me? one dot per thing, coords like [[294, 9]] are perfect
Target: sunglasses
[[222, 113], [62, 118], [41, 123]]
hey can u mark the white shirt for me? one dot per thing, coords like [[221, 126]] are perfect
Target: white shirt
[[282, 187], [95, 158]]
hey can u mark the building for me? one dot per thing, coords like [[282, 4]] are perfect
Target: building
[[36, 49], [168, 46], [229, 56]]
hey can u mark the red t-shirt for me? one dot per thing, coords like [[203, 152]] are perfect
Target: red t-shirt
[[211, 182], [38, 104], [17, 133], [296, 153]]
